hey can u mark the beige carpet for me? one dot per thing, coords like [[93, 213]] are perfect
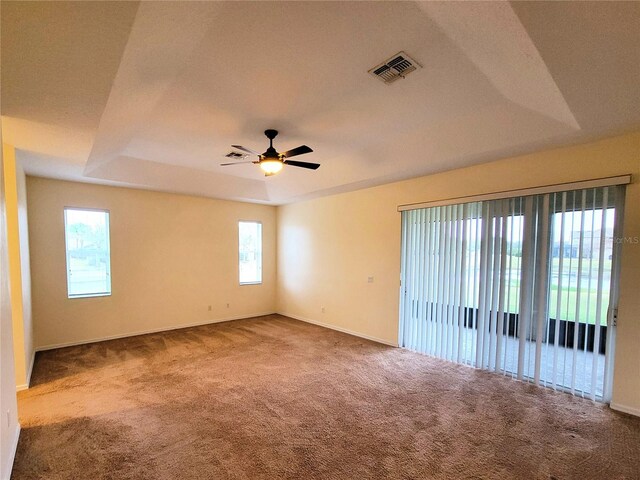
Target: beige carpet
[[271, 397]]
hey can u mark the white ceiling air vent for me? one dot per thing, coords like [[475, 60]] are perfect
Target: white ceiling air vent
[[233, 155], [398, 66]]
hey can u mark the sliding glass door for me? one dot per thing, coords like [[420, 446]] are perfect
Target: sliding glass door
[[520, 286]]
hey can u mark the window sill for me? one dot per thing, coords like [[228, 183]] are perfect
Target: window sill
[[88, 295]]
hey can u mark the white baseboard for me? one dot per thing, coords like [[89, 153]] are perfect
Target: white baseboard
[[339, 329], [12, 455], [145, 332], [625, 409], [25, 386]]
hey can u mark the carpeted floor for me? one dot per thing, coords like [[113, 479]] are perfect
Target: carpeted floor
[[272, 397]]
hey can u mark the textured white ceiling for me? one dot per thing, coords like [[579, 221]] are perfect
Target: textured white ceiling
[[153, 94]]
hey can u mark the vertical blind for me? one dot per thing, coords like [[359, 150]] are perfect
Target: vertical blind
[[521, 286]]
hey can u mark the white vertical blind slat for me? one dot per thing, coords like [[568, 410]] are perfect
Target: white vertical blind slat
[[503, 283], [599, 287], [484, 286], [588, 313], [463, 284], [456, 283], [425, 282], [568, 299], [416, 285], [495, 285], [421, 280], [446, 338], [526, 285], [453, 283], [508, 280], [576, 322], [559, 288], [541, 295], [430, 274], [410, 281], [403, 280]]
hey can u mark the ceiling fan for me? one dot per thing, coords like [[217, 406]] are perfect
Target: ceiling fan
[[271, 161]]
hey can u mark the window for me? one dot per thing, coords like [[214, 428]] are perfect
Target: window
[[250, 252], [88, 258], [521, 286]]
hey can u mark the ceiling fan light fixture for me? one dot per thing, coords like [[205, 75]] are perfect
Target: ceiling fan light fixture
[[272, 161], [271, 166]]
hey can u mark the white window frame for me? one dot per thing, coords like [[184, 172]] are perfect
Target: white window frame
[[66, 248], [259, 282]]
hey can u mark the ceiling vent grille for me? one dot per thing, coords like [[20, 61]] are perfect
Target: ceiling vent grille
[[398, 66], [233, 155]]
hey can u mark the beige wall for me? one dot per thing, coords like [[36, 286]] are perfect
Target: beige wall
[[18, 249], [171, 257], [25, 274], [9, 426], [330, 246]]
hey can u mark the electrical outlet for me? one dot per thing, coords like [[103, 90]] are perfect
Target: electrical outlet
[[370, 279]]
